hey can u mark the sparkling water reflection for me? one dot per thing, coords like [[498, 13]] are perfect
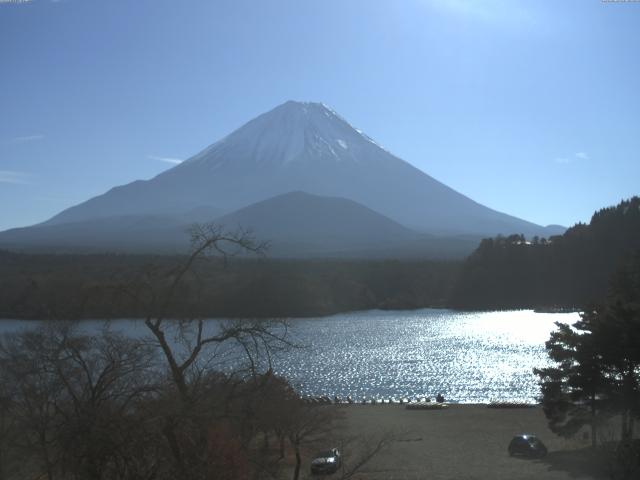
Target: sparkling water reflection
[[469, 357]]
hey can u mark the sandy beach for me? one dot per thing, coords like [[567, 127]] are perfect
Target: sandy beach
[[464, 442]]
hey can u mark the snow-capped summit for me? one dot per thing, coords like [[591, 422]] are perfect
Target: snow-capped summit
[[291, 132], [308, 147]]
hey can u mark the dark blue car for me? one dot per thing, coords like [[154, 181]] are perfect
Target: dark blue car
[[527, 445]]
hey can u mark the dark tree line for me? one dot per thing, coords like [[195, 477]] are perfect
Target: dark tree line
[[80, 286], [565, 271], [596, 377]]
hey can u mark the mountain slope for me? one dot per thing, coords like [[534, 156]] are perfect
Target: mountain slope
[[126, 233], [303, 147], [296, 225], [304, 224]]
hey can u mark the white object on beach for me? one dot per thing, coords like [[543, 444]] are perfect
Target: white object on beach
[[426, 406]]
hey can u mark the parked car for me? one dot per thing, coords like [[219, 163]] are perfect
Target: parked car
[[527, 445], [326, 462]]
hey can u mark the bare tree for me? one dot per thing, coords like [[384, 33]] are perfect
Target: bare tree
[[33, 399], [192, 347], [7, 426], [194, 399], [310, 425], [307, 423], [191, 335], [360, 450], [73, 398]]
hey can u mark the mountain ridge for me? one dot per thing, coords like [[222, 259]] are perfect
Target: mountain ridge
[[302, 147], [307, 147]]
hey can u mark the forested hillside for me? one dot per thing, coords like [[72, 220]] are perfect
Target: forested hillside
[[567, 271], [564, 271], [91, 286]]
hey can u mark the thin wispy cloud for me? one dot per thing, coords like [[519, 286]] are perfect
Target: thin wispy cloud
[[570, 159], [24, 2], [27, 138], [13, 177], [171, 160]]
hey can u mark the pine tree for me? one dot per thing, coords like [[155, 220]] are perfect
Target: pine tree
[[597, 372]]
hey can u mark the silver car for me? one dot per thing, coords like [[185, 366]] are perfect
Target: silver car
[[328, 461]]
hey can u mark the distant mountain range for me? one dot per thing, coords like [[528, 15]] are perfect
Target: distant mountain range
[[299, 176]]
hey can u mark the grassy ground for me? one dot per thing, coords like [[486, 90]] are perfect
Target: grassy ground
[[463, 442]]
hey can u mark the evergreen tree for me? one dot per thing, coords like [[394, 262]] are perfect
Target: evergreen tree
[[565, 271], [572, 392], [619, 337], [597, 372]]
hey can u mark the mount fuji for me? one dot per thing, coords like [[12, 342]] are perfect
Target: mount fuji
[[296, 147]]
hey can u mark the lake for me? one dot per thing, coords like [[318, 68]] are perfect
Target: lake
[[469, 357]]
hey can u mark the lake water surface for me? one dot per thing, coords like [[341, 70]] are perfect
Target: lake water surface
[[469, 357]]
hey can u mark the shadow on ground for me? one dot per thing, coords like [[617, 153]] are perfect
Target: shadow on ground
[[581, 463]]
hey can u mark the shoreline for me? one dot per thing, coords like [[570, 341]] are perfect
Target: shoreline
[[493, 404], [544, 309]]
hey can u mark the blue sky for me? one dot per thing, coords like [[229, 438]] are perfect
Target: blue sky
[[531, 108]]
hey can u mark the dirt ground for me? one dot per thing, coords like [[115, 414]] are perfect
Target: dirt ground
[[464, 442]]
